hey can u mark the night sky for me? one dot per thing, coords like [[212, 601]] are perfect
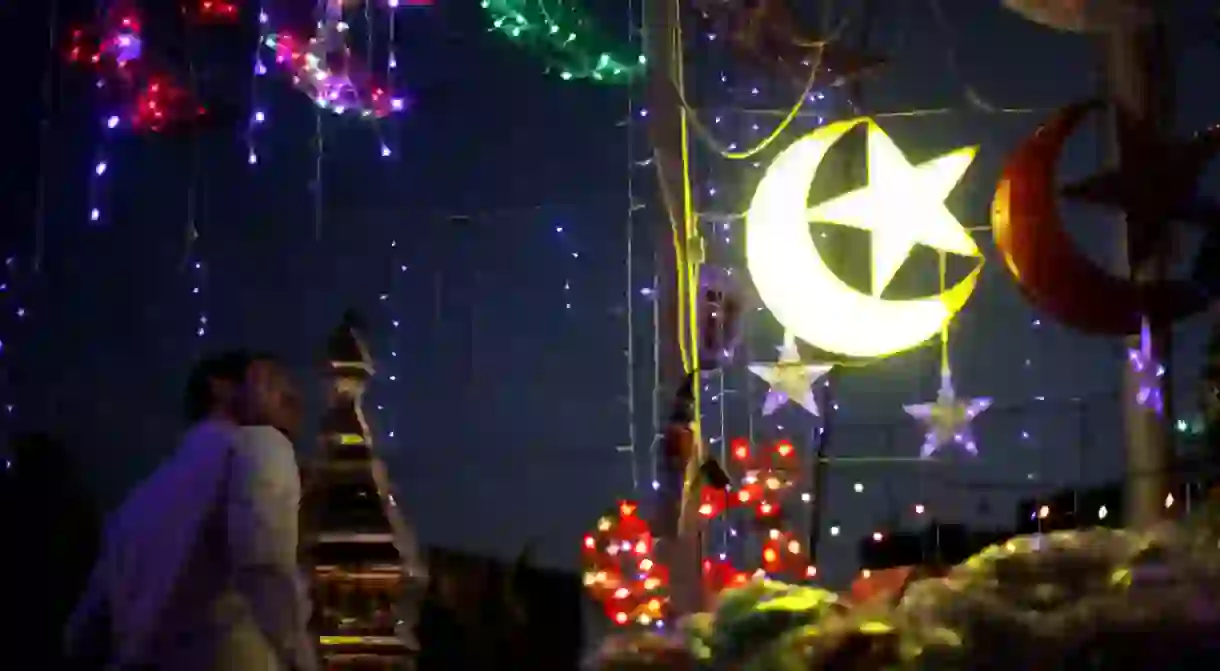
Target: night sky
[[489, 254]]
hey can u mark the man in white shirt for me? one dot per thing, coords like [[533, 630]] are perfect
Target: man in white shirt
[[198, 569]]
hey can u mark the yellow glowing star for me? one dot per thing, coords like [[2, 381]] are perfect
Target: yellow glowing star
[[902, 205]]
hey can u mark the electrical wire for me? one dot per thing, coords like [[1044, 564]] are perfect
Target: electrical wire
[[44, 137], [791, 115]]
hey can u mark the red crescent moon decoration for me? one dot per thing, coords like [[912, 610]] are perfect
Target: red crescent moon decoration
[[1052, 273]]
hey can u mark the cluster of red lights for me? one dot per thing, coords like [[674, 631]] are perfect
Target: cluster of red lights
[[764, 479], [620, 571], [115, 51], [216, 11]]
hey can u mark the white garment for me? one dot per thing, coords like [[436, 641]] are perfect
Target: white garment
[[198, 568]]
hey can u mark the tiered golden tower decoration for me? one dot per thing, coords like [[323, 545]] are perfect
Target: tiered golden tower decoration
[[368, 579]]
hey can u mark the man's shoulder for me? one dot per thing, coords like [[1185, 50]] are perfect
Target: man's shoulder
[[264, 448], [261, 437]]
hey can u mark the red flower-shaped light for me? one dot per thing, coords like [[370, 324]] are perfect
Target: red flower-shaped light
[[620, 571]]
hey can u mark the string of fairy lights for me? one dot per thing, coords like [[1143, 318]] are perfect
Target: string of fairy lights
[[726, 387], [258, 70], [14, 328], [634, 19], [391, 303]]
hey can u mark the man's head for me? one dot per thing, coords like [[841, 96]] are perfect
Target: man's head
[[246, 388]]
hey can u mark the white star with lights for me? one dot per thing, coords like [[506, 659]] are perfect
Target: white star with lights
[[948, 418], [790, 379]]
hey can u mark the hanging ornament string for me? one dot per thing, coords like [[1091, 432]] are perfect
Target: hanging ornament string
[[192, 262], [947, 419], [565, 35], [258, 116], [391, 65]]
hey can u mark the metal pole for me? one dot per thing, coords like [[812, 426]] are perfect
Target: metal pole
[[1141, 84]]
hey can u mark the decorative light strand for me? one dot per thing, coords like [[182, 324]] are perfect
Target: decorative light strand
[[569, 248], [391, 69], [319, 139], [391, 303], [196, 266], [324, 68], [12, 320], [258, 114], [565, 37], [629, 137], [654, 445], [119, 46], [369, 34]]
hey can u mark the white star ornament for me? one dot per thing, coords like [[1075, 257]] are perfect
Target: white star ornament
[[947, 419], [790, 379]]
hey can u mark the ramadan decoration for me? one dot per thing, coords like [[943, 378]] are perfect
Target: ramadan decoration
[[567, 39], [368, 578], [1040, 254], [1148, 371], [901, 206], [947, 420], [790, 379]]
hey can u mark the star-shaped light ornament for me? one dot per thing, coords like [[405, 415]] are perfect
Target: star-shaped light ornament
[[790, 379], [1148, 371], [897, 188], [948, 419]]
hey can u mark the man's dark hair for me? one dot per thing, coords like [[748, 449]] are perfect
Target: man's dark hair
[[199, 399]]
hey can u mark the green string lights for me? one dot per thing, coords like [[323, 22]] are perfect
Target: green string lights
[[566, 37]]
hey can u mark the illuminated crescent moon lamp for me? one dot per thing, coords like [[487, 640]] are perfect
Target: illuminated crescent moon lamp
[[901, 206]]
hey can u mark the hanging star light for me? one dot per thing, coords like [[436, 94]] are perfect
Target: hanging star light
[[1148, 370], [790, 379], [948, 418]]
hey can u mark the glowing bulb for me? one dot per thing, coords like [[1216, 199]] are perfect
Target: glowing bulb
[[834, 531], [1169, 500], [858, 487], [1044, 512]]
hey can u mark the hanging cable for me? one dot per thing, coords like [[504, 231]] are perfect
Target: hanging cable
[[629, 353], [44, 136]]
